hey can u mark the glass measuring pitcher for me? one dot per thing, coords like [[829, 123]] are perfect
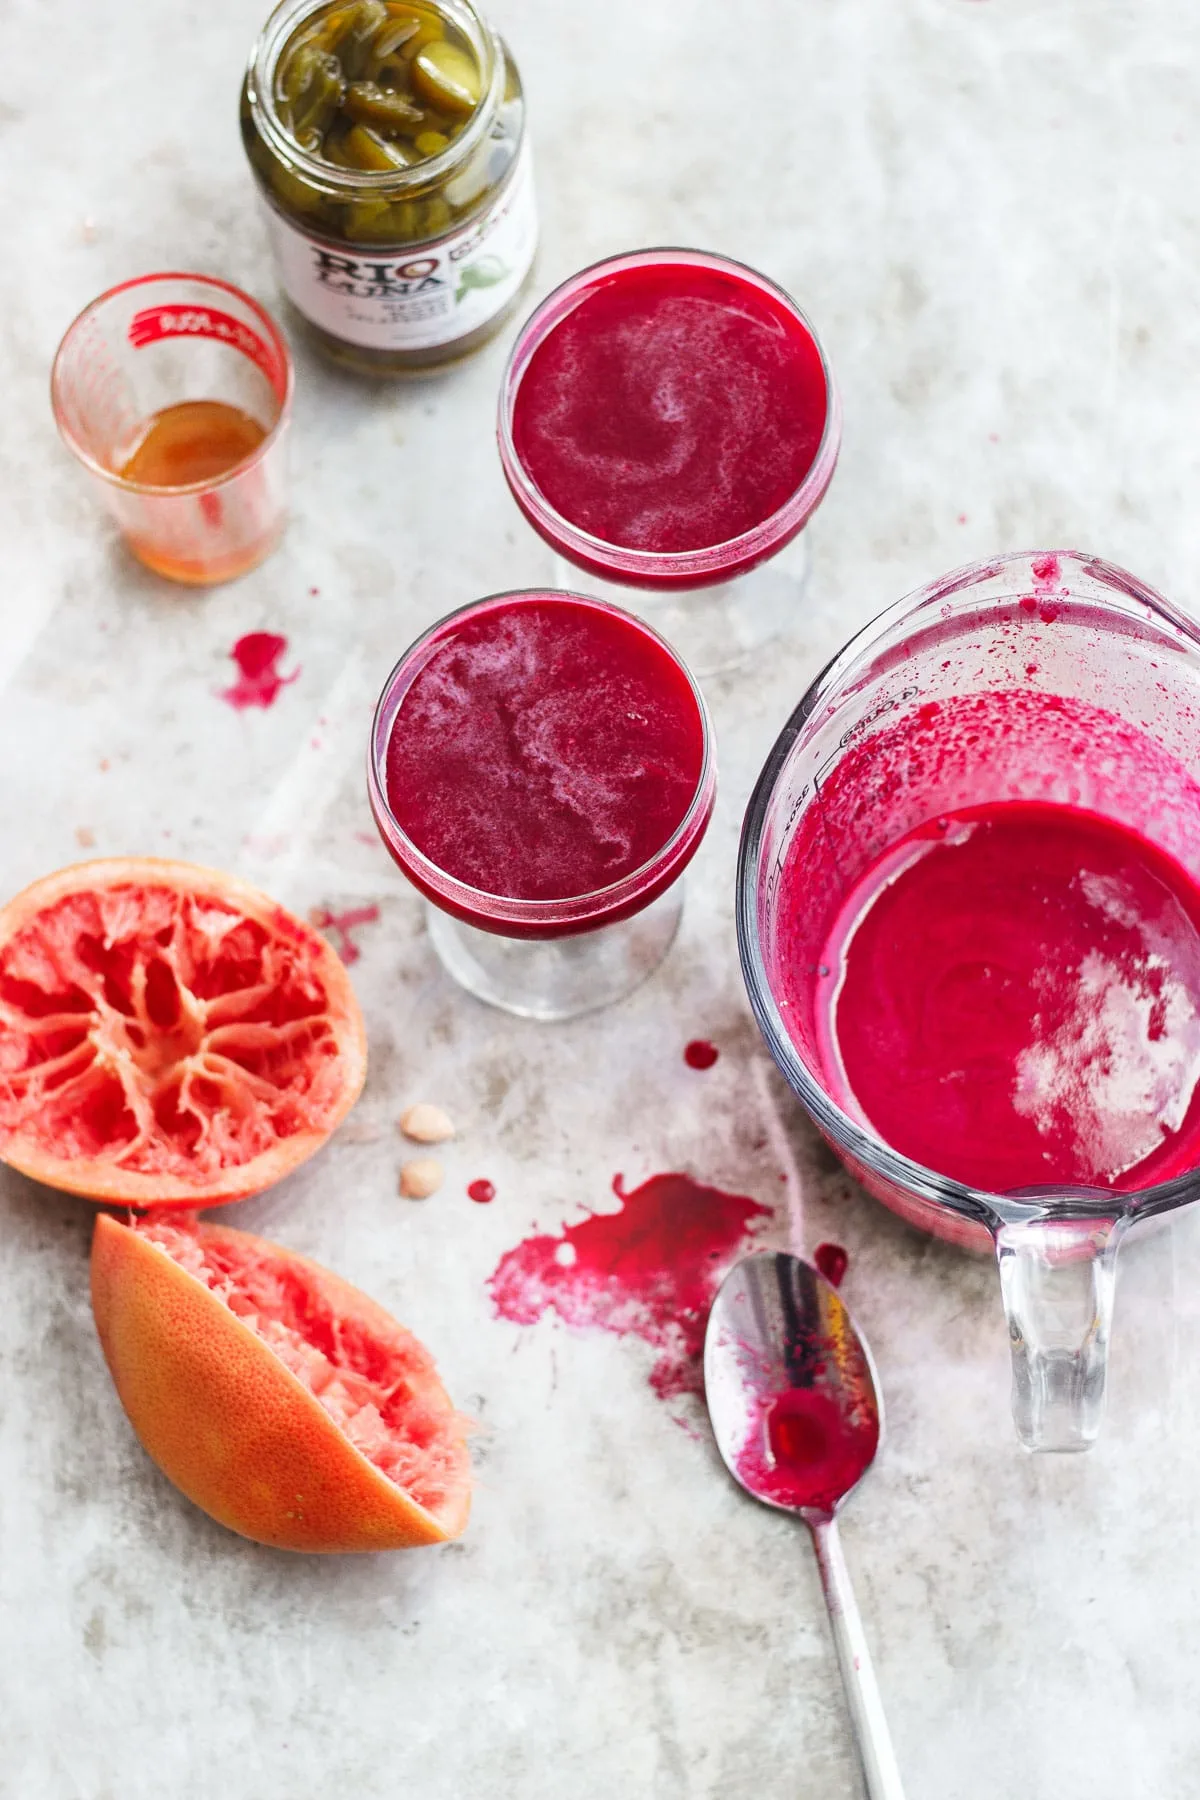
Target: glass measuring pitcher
[[1052, 679]]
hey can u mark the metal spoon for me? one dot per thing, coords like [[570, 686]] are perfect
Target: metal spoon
[[797, 1418]]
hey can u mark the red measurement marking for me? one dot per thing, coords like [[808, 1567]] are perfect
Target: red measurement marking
[[156, 322], [259, 681], [649, 1270], [342, 924], [700, 1054]]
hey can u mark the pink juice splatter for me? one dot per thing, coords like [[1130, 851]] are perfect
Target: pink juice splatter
[[257, 656], [700, 1054], [831, 1261], [649, 1270], [342, 925]]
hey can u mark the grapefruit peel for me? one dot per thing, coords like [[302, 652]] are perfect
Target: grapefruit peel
[[280, 1399], [168, 1035]]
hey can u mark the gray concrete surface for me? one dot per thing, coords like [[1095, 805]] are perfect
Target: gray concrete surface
[[990, 209]]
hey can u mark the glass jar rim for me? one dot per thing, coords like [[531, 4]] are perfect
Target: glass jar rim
[[709, 562], [849, 1134], [585, 910], [113, 477], [265, 53]]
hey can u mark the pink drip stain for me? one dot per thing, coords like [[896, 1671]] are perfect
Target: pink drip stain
[[649, 1270], [831, 1261], [481, 1192], [700, 1054], [342, 925], [259, 680], [1047, 575]]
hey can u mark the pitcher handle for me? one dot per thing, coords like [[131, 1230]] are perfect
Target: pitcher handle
[[1057, 1278]]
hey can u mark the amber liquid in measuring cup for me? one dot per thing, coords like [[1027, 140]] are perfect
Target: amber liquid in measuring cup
[[198, 440], [194, 442]]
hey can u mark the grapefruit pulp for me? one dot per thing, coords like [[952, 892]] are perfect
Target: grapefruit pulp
[[283, 1401], [168, 1035]]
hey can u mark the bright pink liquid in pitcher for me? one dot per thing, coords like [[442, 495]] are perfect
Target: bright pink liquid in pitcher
[[674, 408], [984, 940], [546, 749], [1010, 995]]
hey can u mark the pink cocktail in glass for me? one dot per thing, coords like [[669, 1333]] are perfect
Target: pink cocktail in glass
[[541, 768], [668, 423]]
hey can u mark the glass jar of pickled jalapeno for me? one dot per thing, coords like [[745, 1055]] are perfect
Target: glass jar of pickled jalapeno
[[388, 141]]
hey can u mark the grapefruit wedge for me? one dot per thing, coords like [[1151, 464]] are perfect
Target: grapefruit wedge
[[283, 1401], [168, 1035]]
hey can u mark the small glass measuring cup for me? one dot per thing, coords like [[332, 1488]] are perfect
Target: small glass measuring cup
[[718, 604], [154, 343], [1061, 625]]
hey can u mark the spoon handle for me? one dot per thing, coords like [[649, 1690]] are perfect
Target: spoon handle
[[872, 1740]]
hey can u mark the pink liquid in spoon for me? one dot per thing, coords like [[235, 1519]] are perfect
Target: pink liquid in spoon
[[804, 1452]]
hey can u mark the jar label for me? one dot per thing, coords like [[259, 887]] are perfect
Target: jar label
[[419, 296]]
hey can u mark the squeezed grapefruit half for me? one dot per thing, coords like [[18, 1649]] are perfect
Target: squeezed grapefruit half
[[279, 1398], [168, 1035]]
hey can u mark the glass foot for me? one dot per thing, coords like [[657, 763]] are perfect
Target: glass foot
[[558, 978], [714, 629]]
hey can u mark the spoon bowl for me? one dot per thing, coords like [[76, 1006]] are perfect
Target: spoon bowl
[[791, 1388], [796, 1413]]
